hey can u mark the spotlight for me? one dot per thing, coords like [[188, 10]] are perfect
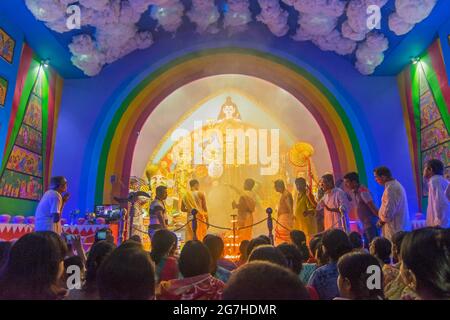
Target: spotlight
[[415, 60], [45, 63]]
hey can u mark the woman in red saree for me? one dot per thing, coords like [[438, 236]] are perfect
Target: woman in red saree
[[197, 282]]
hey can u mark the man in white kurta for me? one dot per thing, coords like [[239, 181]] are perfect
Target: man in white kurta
[[393, 213], [335, 204], [438, 210]]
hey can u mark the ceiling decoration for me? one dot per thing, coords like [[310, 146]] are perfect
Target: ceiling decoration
[[340, 26]]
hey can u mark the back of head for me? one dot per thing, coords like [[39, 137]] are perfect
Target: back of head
[[279, 184], [98, 253], [136, 238], [298, 238], [328, 178], [356, 240], [315, 243], [215, 245], [336, 244], [74, 261], [249, 184], [383, 172], [268, 253], [260, 280], [127, 274], [193, 183], [160, 190], [57, 182], [352, 177], [426, 253], [436, 166], [194, 259], [293, 257], [381, 248], [162, 242], [33, 266], [355, 268], [255, 242]]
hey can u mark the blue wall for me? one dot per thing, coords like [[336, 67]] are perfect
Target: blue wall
[[373, 104], [9, 72]]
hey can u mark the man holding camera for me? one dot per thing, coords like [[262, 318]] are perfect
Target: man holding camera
[[49, 210]]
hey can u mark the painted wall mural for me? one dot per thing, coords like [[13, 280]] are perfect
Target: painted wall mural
[[25, 170], [426, 96]]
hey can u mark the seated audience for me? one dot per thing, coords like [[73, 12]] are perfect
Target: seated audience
[[215, 247], [324, 280], [262, 280], [34, 268], [381, 249], [89, 290], [357, 242], [197, 282], [268, 253], [243, 252], [166, 265], [127, 274], [425, 255], [354, 277]]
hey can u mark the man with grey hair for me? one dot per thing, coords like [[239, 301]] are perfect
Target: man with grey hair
[[49, 210]]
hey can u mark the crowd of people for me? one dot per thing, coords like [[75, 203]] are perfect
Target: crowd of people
[[303, 263], [333, 265]]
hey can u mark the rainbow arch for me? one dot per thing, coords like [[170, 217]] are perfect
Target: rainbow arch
[[111, 148]]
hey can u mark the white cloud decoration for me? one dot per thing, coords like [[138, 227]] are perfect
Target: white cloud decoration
[[205, 15], [168, 13], [237, 16], [332, 25], [369, 54], [273, 17], [408, 13]]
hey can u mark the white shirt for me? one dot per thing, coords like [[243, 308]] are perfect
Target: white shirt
[[336, 198], [51, 202], [438, 210], [394, 209]]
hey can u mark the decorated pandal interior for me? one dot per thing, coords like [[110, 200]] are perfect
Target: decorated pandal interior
[[131, 95]]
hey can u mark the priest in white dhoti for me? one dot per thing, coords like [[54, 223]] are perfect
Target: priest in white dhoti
[[335, 205], [393, 213]]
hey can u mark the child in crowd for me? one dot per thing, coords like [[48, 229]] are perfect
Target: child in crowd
[[243, 252], [357, 242], [381, 249], [166, 265], [215, 247], [324, 280], [197, 282], [354, 277], [89, 290]]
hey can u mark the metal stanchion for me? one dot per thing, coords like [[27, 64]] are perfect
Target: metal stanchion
[[270, 224], [194, 223]]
